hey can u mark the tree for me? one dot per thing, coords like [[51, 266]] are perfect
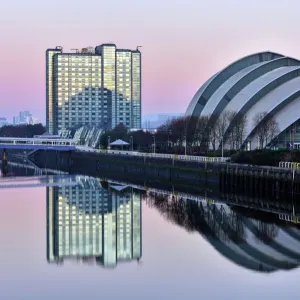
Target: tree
[[163, 132], [236, 130], [201, 134], [22, 130], [141, 139], [222, 124], [266, 129], [178, 127], [273, 130], [191, 124], [213, 134], [119, 132]]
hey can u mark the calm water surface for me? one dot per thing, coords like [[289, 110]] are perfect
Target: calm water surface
[[74, 237]]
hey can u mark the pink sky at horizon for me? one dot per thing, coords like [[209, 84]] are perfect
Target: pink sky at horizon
[[184, 43]]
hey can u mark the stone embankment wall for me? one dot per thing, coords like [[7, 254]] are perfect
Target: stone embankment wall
[[229, 177]]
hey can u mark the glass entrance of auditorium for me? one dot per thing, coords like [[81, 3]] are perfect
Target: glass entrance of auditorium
[[297, 146]]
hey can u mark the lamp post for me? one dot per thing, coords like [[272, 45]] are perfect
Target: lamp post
[[131, 139], [108, 142], [154, 144], [169, 133], [185, 145]]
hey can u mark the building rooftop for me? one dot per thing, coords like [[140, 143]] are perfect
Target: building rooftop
[[91, 50]]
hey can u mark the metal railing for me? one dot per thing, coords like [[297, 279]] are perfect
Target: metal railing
[[157, 155], [289, 165], [36, 141]]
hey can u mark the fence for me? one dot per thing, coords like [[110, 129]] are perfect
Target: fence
[[158, 155], [289, 165]]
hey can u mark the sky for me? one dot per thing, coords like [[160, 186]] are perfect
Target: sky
[[184, 42]]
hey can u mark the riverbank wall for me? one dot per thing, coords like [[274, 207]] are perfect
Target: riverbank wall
[[229, 177]]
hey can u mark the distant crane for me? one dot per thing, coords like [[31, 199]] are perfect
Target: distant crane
[[77, 50], [137, 48]]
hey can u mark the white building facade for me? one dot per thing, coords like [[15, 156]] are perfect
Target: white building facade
[[263, 82]]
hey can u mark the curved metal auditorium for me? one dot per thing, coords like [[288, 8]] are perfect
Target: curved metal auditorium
[[262, 82]]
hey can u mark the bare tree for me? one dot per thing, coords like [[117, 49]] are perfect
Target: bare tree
[[191, 123], [232, 133], [222, 124], [237, 130], [201, 132], [213, 134], [260, 131], [266, 129], [178, 128], [273, 130], [240, 128]]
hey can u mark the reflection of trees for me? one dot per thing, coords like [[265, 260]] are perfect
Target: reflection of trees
[[265, 233], [204, 218]]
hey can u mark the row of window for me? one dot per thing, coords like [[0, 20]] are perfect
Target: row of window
[[91, 201], [88, 90], [79, 114], [124, 67], [79, 103]]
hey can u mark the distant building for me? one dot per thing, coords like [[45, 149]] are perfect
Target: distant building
[[25, 117], [3, 122], [156, 120], [34, 121], [98, 87]]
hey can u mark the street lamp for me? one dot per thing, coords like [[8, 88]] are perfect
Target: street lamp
[[108, 142], [154, 144], [169, 133], [131, 139], [185, 146]]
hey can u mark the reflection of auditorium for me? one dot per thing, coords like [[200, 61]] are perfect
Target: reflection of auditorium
[[255, 243], [93, 222]]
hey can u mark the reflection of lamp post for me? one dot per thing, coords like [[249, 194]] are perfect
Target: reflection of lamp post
[[108, 142], [131, 139], [222, 147]]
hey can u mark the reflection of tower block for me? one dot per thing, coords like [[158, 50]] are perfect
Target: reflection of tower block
[[94, 221]]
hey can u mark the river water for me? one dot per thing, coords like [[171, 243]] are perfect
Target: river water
[[77, 237]]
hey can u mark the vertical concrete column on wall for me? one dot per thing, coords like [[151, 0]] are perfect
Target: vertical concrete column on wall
[[69, 160], [4, 155], [45, 161], [4, 163], [56, 159]]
